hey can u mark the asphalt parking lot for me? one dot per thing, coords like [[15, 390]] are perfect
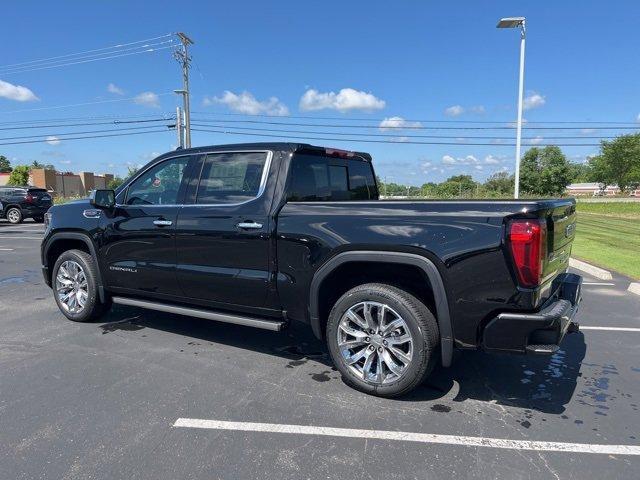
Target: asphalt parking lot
[[147, 395]]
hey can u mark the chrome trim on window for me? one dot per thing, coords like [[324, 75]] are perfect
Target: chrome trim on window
[[261, 189]]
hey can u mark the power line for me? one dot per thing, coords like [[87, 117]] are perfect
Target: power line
[[84, 124], [78, 104], [399, 141], [86, 51], [148, 50], [354, 119], [87, 137], [410, 127], [394, 135], [95, 56], [166, 116], [57, 135]]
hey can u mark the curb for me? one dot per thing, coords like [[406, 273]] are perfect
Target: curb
[[634, 288], [590, 269]]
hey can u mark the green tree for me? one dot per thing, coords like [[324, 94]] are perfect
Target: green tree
[[19, 176], [5, 164], [544, 171], [581, 172], [499, 184], [618, 162], [46, 166], [457, 186], [115, 183]]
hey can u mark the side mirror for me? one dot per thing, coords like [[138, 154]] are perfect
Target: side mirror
[[103, 199]]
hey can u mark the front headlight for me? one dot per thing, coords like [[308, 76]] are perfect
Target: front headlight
[[47, 220]]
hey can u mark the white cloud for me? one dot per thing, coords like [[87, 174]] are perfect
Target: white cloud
[[468, 160], [536, 140], [16, 92], [246, 103], [478, 109], [638, 118], [397, 123], [148, 99], [454, 111], [52, 140], [65, 162], [491, 160], [345, 100], [113, 88], [587, 131], [533, 100]]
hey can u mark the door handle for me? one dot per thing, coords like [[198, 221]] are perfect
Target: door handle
[[162, 223], [249, 225]]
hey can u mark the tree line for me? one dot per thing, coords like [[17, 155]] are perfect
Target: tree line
[[544, 172]]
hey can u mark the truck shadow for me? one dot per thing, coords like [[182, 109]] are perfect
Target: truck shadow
[[540, 383]]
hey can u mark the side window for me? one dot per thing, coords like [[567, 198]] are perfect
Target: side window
[[231, 177], [159, 185], [362, 185], [315, 178]]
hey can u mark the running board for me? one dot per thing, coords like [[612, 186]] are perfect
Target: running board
[[275, 326]]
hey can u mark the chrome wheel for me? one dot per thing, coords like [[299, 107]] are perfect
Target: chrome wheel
[[375, 342], [13, 215], [71, 286]]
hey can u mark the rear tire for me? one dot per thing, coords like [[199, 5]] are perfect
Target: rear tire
[[402, 342], [38, 219], [75, 286], [14, 215]]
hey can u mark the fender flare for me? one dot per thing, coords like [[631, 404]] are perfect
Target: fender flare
[[427, 266], [75, 236]]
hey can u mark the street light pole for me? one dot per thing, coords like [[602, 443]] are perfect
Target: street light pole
[[515, 22]]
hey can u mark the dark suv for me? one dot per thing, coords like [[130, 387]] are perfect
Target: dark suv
[[24, 202]]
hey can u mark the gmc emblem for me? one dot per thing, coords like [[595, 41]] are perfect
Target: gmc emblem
[[568, 231]]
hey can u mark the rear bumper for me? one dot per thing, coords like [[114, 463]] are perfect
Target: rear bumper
[[539, 332]]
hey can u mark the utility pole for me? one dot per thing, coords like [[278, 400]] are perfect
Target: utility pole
[[179, 127], [182, 56]]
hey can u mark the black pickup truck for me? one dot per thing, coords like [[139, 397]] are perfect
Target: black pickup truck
[[270, 233]]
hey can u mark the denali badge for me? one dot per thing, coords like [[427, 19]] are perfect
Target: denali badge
[[123, 269]]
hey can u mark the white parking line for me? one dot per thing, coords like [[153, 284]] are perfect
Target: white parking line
[[410, 437], [612, 329], [6, 249], [598, 283], [22, 238]]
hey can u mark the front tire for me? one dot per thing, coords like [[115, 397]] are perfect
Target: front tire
[[14, 215], [382, 339], [75, 286]]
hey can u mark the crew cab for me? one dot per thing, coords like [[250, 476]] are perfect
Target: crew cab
[[267, 234]]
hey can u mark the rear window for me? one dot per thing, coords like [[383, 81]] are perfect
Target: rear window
[[315, 178]]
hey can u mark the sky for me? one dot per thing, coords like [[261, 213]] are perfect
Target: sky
[[352, 64]]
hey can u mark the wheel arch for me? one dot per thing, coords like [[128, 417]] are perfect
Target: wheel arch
[[63, 241], [429, 269]]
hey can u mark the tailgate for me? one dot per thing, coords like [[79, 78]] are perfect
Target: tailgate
[[41, 197], [561, 230]]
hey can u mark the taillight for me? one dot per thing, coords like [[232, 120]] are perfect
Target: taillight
[[335, 152], [528, 244], [29, 198]]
